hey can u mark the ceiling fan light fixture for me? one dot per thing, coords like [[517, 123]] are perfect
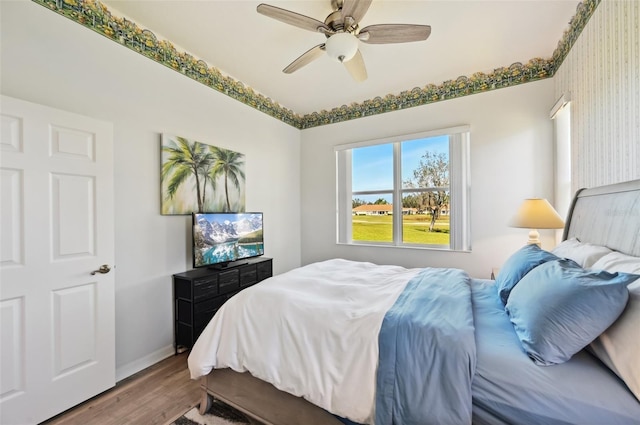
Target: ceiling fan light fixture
[[341, 46]]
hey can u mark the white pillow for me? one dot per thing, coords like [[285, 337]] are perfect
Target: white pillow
[[582, 253], [619, 346], [618, 262]]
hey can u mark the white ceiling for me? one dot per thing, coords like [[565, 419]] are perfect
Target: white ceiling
[[467, 36]]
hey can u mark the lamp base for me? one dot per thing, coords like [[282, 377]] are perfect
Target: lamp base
[[534, 238]]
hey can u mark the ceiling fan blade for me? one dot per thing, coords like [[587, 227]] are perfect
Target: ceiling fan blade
[[355, 8], [292, 18], [356, 67], [394, 33], [307, 57]]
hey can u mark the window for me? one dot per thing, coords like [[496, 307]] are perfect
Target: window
[[561, 116], [408, 190]]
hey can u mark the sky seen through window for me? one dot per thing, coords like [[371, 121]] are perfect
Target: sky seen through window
[[372, 166]]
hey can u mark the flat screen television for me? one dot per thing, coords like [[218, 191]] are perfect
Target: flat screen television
[[225, 239]]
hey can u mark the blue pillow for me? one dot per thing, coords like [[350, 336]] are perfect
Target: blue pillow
[[519, 264], [558, 308]]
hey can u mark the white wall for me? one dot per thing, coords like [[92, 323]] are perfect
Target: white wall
[[51, 60], [601, 73], [511, 159]]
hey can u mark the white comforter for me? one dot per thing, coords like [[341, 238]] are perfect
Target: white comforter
[[321, 345]]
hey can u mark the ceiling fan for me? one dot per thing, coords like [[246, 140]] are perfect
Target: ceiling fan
[[344, 34]]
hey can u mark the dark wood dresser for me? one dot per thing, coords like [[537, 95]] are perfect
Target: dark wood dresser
[[199, 293]]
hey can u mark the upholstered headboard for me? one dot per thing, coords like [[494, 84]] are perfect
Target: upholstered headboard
[[607, 215]]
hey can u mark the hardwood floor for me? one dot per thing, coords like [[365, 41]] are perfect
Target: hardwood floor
[[156, 395]]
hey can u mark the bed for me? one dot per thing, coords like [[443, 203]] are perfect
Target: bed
[[555, 339]]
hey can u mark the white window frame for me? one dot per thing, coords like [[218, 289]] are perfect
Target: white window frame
[[560, 114], [459, 188]]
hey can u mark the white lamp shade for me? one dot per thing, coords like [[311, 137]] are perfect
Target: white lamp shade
[[537, 214], [341, 46]]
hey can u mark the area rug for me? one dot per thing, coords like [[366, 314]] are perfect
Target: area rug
[[218, 414]]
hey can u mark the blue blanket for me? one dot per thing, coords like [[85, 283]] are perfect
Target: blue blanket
[[427, 352]]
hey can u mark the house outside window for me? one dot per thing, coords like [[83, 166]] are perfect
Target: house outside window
[[405, 191]]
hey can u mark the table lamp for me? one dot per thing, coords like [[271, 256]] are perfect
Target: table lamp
[[536, 214]]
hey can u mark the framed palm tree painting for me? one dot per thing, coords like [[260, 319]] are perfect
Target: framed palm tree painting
[[200, 177]]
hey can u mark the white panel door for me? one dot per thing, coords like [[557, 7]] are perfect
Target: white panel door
[[57, 319]]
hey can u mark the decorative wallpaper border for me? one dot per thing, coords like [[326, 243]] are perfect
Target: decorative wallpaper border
[[95, 15]]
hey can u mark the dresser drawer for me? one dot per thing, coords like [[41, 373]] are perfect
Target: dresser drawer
[[264, 270], [228, 281], [205, 287], [197, 330], [209, 305], [248, 275], [204, 311]]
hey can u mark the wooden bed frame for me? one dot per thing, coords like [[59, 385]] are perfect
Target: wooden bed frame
[[260, 401], [606, 215]]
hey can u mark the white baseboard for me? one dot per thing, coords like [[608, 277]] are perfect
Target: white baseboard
[[136, 366]]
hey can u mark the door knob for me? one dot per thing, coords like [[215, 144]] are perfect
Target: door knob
[[104, 269]]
